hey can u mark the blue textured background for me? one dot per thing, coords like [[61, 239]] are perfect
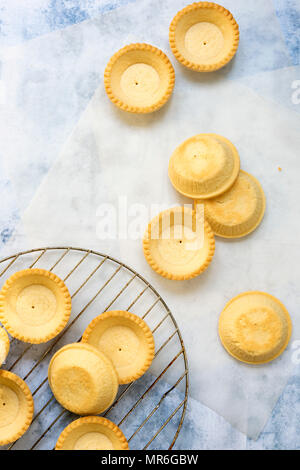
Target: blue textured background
[[22, 21]]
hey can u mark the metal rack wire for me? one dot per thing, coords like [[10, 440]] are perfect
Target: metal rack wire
[[153, 407]]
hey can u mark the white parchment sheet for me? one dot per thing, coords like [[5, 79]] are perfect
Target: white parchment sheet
[[112, 155]]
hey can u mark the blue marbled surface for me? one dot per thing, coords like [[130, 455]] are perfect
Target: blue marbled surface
[[288, 13], [23, 21]]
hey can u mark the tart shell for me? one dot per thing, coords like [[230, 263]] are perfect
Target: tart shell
[[238, 211], [126, 339], [143, 66], [219, 29], [4, 345], [204, 166], [166, 268], [82, 379], [41, 288], [21, 406], [255, 327], [77, 428]]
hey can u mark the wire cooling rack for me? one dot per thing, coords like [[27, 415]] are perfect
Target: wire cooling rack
[[149, 411]]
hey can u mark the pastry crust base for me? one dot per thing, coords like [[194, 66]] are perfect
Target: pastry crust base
[[204, 36], [139, 78], [83, 431], [16, 407], [238, 211], [4, 345], [82, 379], [125, 339], [204, 166], [35, 305], [255, 327], [179, 244]]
